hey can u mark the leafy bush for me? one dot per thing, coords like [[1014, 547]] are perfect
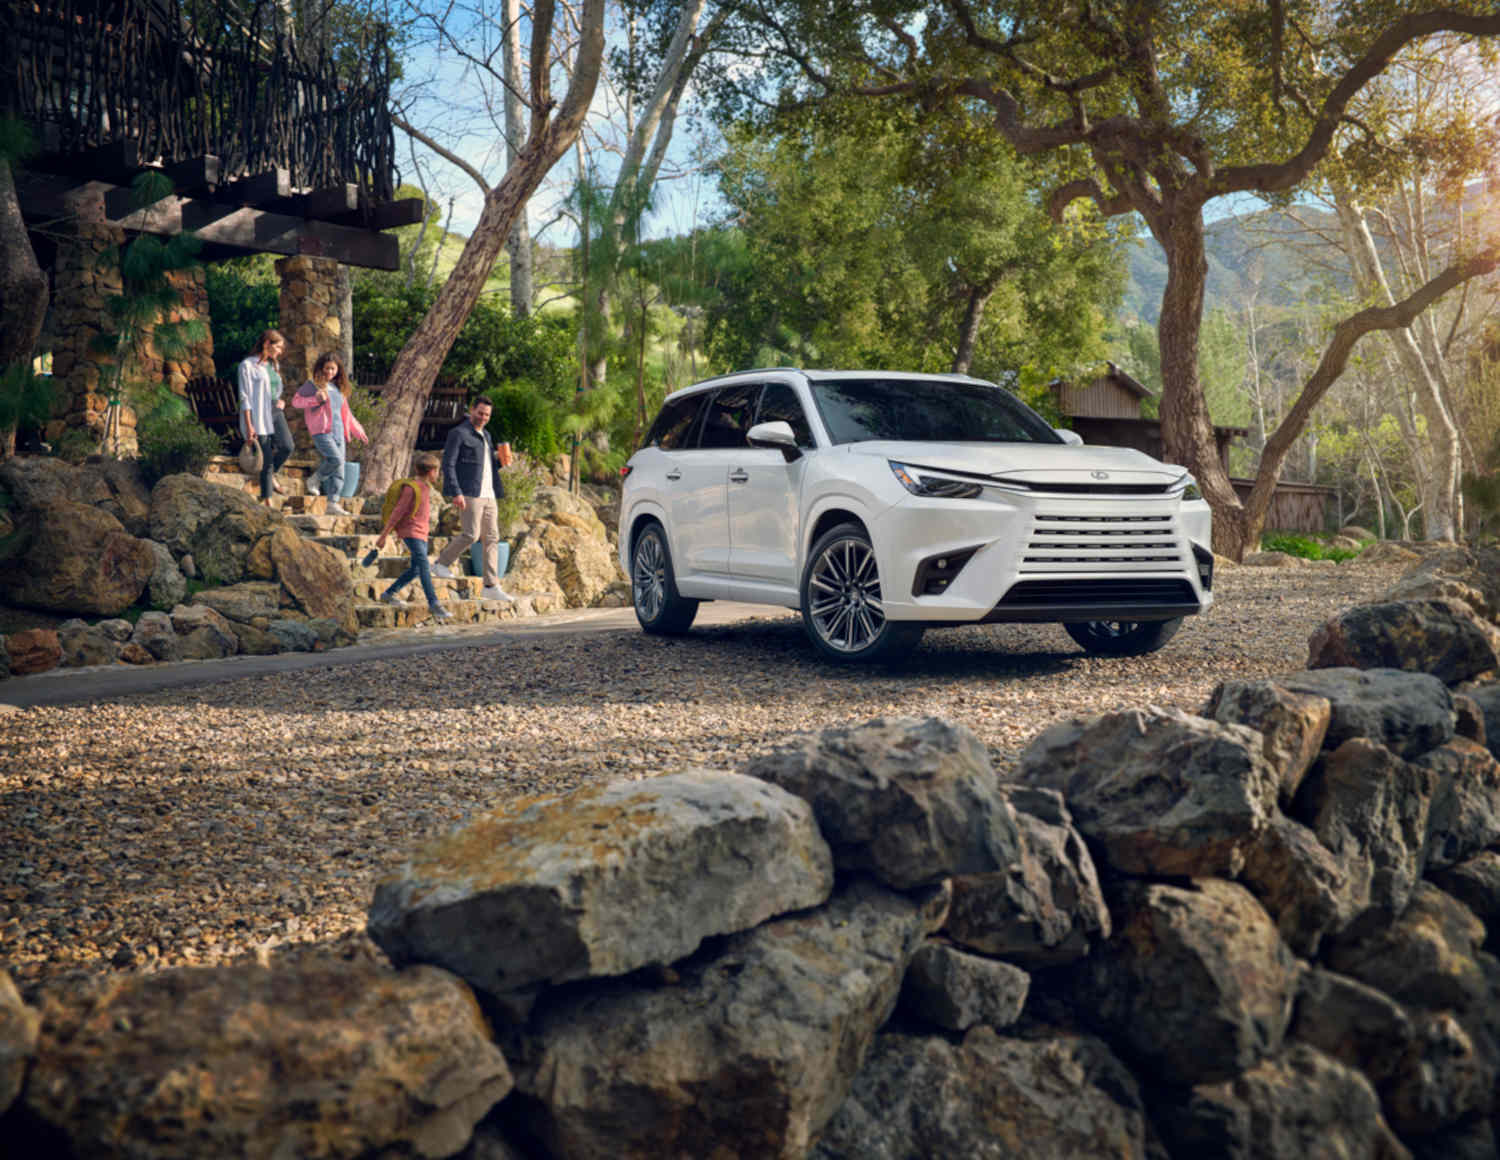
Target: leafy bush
[[365, 406], [25, 398], [524, 418], [520, 489], [171, 440], [75, 445], [244, 299], [1304, 546]]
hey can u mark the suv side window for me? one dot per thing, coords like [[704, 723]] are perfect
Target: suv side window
[[729, 416], [674, 425], [779, 401]]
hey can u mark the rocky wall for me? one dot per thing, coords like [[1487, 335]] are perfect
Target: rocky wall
[[83, 282], [1261, 930]]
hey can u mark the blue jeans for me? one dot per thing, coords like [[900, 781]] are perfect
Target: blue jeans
[[275, 449], [331, 470], [418, 568]]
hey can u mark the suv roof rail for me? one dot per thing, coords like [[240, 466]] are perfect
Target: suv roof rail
[[763, 370]]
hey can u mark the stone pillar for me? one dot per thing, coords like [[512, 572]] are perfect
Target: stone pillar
[[310, 320], [82, 285]]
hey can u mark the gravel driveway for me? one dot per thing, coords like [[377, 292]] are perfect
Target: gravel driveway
[[253, 817]]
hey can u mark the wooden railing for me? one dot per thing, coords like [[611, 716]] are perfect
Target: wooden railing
[[185, 79]]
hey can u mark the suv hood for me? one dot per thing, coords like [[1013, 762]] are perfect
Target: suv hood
[[1033, 462]]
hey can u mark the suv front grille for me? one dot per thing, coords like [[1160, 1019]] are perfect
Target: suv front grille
[[1102, 544], [1092, 488], [1045, 593]]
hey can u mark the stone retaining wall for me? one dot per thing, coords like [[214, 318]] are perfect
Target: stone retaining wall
[[1261, 930]]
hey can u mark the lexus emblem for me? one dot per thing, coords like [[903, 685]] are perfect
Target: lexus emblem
[[1100, 474]]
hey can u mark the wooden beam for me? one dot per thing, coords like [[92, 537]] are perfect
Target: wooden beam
[[260, 189], [248, 228], [407, 211], [196, 175], [115, 162], [329, 204]]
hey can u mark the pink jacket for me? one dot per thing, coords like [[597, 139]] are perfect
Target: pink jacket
[[319, 416]]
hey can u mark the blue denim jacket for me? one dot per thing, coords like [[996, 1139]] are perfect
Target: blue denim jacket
[[464, 457]]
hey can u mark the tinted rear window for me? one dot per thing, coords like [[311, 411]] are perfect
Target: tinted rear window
[[675, 423]]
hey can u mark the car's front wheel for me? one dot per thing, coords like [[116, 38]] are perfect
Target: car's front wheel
[[842, 606], [653, 587], [1123, 638]]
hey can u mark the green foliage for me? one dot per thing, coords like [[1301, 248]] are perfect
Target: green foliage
[[1482, 493], [366, 407], [75, 445], [493, 349], [17, 141], [520, 490], [171, 440], [525, 419], [25, 398], [1304, 547], [244, 299]]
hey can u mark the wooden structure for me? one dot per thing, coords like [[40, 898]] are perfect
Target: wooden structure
[[446, 405], [214, 402], [1107, 412], [271, 145]]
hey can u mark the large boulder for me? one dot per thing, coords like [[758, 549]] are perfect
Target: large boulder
[[1408, 713], [128, 497], [217, 525], [75, 558], [316, 577], [909, 800], [1369, 809], [243, 603], [154, 633], [559, 506], [746, 1051], [1476, 883], [1428, 958], [1048, 1096], [1301, 885], [1487, 698], [82, 645], [167, 586], [1158, 791], [1352, 1022], [952, 989], [331, 1059], [1196, 983], [37, 481], [1292, 724], [33, 650], [1299, 1104], [1464, 817], [582, 564], [603, 880], [1046, 907], [1477, 569], [1442, 637], [19, 1025]]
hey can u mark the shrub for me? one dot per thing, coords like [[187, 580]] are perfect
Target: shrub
[[1304, 546], [524, 418], [365, 406], [520, 489], [76, 444], [171, 440]]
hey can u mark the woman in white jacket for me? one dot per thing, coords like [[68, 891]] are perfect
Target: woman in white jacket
[[262, 416]]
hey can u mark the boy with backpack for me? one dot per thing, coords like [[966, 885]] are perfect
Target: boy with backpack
[[407, 506]]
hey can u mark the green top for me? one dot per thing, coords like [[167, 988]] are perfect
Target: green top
[[275, 381]]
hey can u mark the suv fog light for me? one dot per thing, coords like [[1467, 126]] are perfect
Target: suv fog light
[[935, 573], [1205, 562]]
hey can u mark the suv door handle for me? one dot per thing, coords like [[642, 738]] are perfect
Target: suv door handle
[[739, 475], [674, 474]]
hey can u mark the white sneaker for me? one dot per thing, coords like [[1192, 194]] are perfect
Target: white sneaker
[[440, 615], [497, 593], [387, 598], [443, 570], [311, 486], [337, 509]]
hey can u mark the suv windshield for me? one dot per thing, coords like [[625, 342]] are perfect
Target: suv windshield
[[925, 411]]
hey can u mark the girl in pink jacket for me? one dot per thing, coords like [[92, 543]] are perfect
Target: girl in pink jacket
[[322, 398]]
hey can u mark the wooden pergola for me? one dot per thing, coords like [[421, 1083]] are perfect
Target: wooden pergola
[[272, 144]]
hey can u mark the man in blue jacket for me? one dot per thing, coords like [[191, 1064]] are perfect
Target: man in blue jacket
[[471, 479]]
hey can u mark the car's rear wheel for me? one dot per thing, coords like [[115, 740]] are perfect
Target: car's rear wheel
[[842, 606], [659, 607], [1123, 638]]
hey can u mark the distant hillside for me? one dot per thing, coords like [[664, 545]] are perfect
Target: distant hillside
[[1267, 248]]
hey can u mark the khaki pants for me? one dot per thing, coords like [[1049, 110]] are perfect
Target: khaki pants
[[478, 521]]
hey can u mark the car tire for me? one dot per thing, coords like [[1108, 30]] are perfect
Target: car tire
[[841, 601], [659, 607], [1123, 638]]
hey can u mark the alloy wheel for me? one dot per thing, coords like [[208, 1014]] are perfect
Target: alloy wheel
[[649, 577], [846, 606]]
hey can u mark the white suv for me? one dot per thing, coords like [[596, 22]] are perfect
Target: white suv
[[881, 504]]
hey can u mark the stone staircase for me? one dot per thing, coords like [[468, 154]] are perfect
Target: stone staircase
[[354, 535]]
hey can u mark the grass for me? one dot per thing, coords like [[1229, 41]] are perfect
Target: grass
[[1306, 547]]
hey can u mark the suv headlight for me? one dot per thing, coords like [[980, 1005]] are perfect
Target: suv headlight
[[1190, 489], [920, 481]]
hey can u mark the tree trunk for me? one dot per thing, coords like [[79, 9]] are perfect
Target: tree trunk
[[968, 329], [1187, 431], [417, 365], [518, 245], [23, 285]]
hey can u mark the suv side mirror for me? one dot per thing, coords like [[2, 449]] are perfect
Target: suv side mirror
[[1071, 438], [776, 433]]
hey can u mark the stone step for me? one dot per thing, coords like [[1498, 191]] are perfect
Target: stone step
[[459, 588], [375, 615], [355, 547]]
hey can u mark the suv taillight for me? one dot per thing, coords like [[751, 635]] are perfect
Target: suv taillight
[[626, 470]]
